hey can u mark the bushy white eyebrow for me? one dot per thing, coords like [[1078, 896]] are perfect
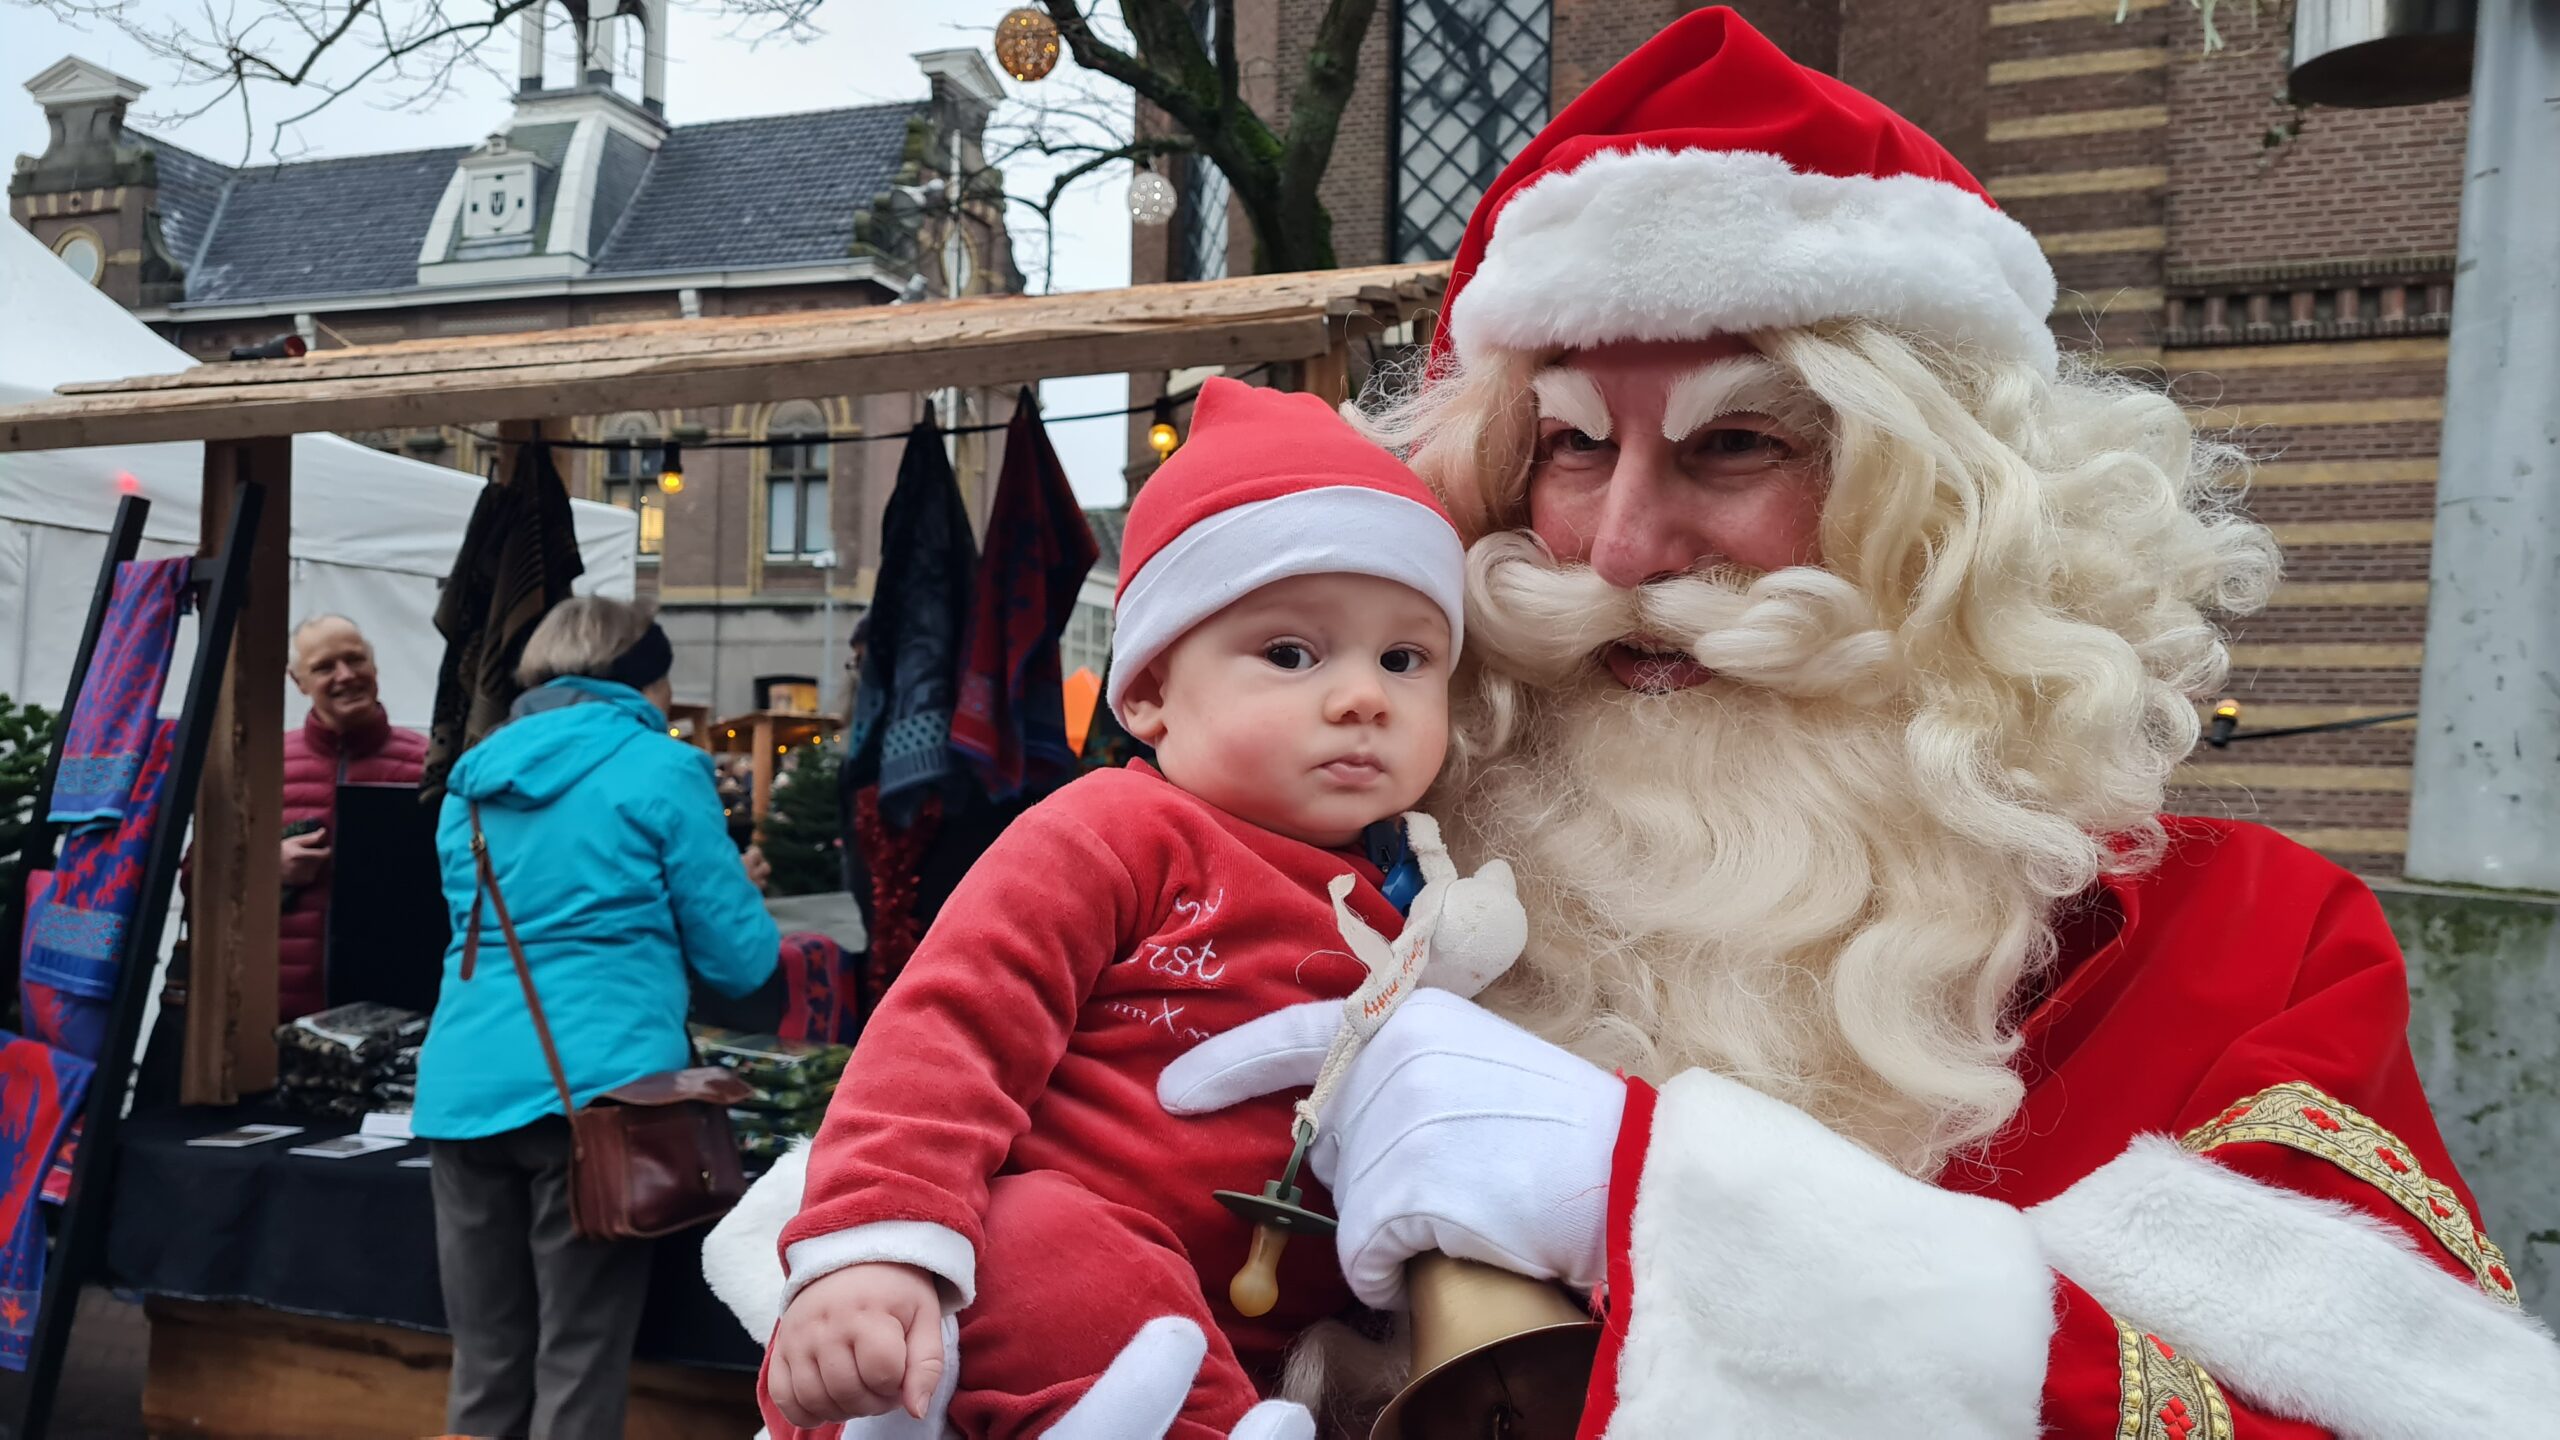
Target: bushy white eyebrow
[[1732, 386], [1570, 396]]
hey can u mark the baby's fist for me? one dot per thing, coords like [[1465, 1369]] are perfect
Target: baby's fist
[[862, 1341]]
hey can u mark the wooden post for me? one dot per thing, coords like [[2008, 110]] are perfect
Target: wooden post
[[763, 798], [1328, 376], [512, 436], [236, 894]]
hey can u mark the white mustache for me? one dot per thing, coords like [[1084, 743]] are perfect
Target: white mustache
[[1799, 631]]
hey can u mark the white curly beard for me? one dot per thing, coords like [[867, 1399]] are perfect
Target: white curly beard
[[1752, 875]]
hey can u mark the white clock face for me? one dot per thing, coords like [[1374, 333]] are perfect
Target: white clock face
[[498, 203], [81, 253]]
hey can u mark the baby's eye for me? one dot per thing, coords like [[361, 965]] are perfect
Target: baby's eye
[[1403, 661], [1288, 656]]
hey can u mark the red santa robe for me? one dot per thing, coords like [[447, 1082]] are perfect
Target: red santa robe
[[2224, 1212]]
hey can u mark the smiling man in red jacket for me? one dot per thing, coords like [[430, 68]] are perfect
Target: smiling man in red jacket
[[348, 738]]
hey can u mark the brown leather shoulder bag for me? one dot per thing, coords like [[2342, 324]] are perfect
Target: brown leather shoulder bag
[[646, 1159]]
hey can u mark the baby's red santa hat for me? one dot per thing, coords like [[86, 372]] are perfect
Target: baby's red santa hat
[[1271, 485], [1708, 184]]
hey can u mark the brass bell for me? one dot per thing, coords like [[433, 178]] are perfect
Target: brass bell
[[1496, 1356]]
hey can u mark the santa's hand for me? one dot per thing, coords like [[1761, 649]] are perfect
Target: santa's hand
[[1481, 931], [1455, 1131]]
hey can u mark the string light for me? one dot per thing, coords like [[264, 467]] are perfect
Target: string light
[[671, 467], [128, 483], [1151, 198], [1161, 436]]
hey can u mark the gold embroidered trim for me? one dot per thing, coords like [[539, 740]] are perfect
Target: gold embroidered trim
[[2303, 1118], [2165, 1395]]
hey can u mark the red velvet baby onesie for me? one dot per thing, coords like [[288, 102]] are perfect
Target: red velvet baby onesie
[[1108, 930]]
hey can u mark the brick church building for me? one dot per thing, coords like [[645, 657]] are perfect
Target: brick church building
[[2288, 272], [590, 206]]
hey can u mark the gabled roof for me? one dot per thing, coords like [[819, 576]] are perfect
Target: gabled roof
[[771, 191], [71, 80]]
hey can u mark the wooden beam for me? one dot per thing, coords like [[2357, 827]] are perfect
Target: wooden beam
[[633, 382], [231, 987]]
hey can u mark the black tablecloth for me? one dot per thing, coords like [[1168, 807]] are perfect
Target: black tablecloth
[[351, 1239]]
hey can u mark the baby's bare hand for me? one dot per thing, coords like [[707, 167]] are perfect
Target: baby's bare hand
[[859, 1342]]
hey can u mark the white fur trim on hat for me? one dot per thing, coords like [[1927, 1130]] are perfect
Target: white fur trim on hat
[[1656, 244], [1329, 530]]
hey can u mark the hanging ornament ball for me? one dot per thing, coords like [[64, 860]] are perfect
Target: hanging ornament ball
[[1027, 43], [1151, 198]]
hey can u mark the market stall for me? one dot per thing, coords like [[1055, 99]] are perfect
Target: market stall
[[765, 740], [206, 1361]]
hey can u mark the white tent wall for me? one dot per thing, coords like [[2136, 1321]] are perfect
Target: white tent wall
[[373, 534]]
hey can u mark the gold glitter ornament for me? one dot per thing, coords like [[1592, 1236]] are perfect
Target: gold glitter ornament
[[1027, 43]]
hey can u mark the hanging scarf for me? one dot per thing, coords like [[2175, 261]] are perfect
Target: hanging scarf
[[76, 923], [824, 989], [40, 1090], [901, 740], [519, 552], [1011, 725], [110, 731]]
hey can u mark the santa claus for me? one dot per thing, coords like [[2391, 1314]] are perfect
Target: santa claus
[[1882, 1062]]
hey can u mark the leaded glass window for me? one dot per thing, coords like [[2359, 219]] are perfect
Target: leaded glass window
[[1200, 224], [1471, 89]]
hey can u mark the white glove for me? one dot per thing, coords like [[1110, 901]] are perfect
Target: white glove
[[1454, 1131], [1138, 1397]]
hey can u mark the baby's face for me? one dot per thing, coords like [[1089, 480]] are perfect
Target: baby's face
[[1312, 707]]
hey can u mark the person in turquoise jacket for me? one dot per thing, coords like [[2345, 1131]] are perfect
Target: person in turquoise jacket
[[616, 865]]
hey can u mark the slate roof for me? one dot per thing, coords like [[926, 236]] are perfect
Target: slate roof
[[313, 227], [773, 190], [1106, 526], [190, 192], [725, 195]]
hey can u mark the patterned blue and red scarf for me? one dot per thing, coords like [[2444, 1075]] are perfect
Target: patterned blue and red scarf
[[76, 921], [40, 1090], [109, 737]]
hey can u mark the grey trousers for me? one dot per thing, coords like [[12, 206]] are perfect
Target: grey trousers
[[542, 1321]]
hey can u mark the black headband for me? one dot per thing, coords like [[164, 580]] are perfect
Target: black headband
[[646, 662]]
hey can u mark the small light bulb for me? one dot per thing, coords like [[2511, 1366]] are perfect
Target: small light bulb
[[1162, 438], [128, 483], [671, 468]]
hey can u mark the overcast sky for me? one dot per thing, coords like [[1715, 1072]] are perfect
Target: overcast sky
[[860, 56]]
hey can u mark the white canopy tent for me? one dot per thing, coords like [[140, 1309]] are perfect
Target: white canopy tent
[[373, 534]]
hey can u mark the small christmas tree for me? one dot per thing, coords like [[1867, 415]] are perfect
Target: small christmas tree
[[804, 831], [26, 734]]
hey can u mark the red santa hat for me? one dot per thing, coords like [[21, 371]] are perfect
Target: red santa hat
[[1709, 184], [1269, 486]]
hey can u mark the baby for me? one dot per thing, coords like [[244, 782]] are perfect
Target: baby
[[1288, 616]]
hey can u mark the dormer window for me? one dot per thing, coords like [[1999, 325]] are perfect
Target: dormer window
[[497, 202]]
